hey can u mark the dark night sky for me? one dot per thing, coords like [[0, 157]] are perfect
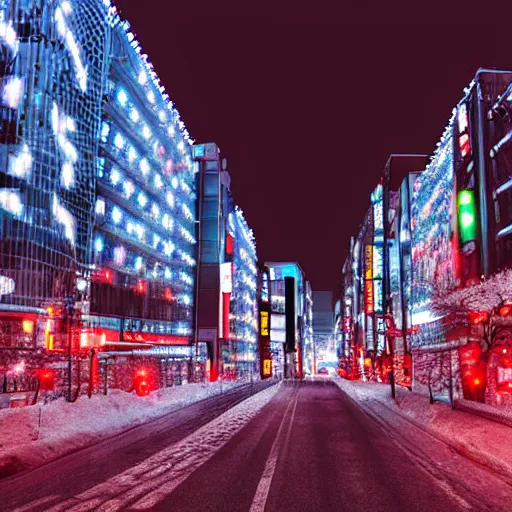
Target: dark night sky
[[308, 105]]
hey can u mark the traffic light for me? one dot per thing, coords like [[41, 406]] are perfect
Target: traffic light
[[467, 215]]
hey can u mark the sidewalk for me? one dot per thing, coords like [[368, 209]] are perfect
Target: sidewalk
[[480, 439], [66, 427]]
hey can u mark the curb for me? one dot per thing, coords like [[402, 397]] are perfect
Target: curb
[[462, 405]]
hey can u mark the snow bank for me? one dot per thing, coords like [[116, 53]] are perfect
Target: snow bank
[[65, 427], [478, 438]]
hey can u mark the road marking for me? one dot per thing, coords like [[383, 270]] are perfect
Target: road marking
[[260, 498]]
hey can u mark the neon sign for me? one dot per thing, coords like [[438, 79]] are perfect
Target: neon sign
[[264, 323], [369, 296], [368, 261], [264, 287]]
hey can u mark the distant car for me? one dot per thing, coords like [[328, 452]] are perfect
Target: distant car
[[323, 371]]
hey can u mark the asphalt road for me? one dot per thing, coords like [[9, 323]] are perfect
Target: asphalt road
[[330, 456], [311, 448]]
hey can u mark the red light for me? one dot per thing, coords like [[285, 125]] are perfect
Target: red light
[[476, 381], [103, 276], [229, 244], [464, 144], [476, 317], [505, 310], [141, 286], [46, 379], [168, 294]]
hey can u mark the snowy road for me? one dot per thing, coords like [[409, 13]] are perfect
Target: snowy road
[[294, 447]]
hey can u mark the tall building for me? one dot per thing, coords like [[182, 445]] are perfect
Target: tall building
[[227, 281], [372, 276], [443, 233], [289, 318], [142, 283], [97, 199]]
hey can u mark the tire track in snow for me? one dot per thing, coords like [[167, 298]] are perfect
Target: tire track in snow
[[144, 485]]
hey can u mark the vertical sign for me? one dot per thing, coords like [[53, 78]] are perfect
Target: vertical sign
[[368, 285]]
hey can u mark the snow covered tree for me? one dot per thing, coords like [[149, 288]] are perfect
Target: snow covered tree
[[482, 302]]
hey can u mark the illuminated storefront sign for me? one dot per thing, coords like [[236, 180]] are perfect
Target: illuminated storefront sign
[[377, 262], [267, 367], [368, 261], [264, 323], [226, 280], [378, 209], [264, 287], [463, 123], [369, 296], [369, 331], [377, 295]]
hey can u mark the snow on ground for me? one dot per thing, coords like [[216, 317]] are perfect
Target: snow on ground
[[478, 438], [66, 427], [142, 486]]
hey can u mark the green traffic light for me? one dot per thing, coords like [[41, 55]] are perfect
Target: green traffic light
[[466, 219], [465, 197], [467, 215]]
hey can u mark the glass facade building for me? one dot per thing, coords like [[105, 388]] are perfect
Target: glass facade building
[[243, 335], [97, 182]]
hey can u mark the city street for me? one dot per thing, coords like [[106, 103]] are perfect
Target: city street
[[311, 447]]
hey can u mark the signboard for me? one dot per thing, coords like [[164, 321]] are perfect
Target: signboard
[[368, 261], [226, 278], [7, 285], [264, 287], [369, 330], [377, 299], [267, 367], [377, 262], [264, 323], [368, 295], [278, 322]]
